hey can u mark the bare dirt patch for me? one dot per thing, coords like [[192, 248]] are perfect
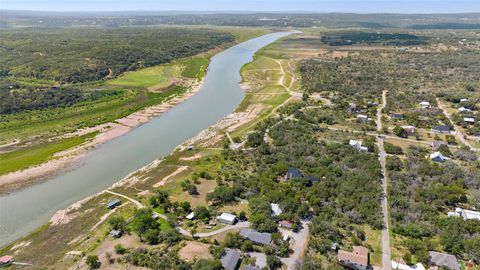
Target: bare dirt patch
[[194, 250]]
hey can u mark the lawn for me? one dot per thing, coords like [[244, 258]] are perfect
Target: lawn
[[195, 67], [25, 158], [154, 78]]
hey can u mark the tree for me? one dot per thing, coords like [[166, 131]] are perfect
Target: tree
[[273, 262], [202, 213], [118, 223], [119, 249], [400, 132], [93, 262], [309, 263], [233, 240]]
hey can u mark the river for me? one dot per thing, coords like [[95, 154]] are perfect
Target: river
[[23, 211]]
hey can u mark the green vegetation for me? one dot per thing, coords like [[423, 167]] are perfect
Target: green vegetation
[[24, 158], [351, 38], [195, 67]]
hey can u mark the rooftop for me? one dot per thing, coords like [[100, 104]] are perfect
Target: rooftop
[[443, 259], [230, 259], [227, 216], [276, 209], [256, 237], [359, 255]]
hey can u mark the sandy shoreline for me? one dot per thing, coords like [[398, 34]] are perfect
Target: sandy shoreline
[[107, 131]]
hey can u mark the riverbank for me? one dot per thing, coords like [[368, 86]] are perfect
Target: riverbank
[[106, 132]]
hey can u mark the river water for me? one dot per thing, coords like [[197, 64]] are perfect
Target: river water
[[23, 211]]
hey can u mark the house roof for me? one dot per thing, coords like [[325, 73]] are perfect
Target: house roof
[[250, 267], [425, 103], [113, 202], [230, 259], [293, 173], [256, 237], [227, 216], [6, 259], [399, 266], [286, 223], [441, 128], [359, 255], [443, 259], [438, 156], [190, 216], [467, 214], [396, 115], [276, 209], [469, 119]]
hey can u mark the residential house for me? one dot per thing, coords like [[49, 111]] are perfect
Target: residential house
[[396, 116], [113, 203], [441, 129], [358, 259], [410, 130], [231, 259], [438, 157], [250, 267], [400, 266], [436, 144], [115, 233], [463, 109], [358, 145], [293, 173], [352, 107], [465, 214], [227, 218], [256, 237], [469, 120], [6, 260], [286, 224], [362, 117], [276, 211], [425, 104], [443, 259]]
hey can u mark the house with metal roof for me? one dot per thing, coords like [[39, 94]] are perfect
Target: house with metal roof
[[358, 259], [443, 259], [227, 218], [250, 267], [113, 203], [276, 211], [256, 237], [293, 173], [396, 116], [231, 259], [465, 214], [115, 233], [438, 157], [441, 129]]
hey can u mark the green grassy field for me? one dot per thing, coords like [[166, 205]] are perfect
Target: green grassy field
[[24, 158], [156, 77], [195, 67]]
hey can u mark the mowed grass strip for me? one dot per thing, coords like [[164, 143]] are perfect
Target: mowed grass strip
[[25, 158]]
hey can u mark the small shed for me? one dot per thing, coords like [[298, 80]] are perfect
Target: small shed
[[113, 203], [469, 120], [190, 216], [438, 157], [293, 173], [425, 104], [115, 233], [286, 224], [227, 218]]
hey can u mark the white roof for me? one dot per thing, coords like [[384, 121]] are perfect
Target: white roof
[[400, 266], [362, 116], [469, 119], [467, 214], [355, 142], [463, 109], [191, 215], [407, 127], [438, 154], [276, 209], [463, 99], [227, 216], [426, 103]]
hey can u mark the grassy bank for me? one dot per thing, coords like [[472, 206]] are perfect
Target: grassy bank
[[24, 158]]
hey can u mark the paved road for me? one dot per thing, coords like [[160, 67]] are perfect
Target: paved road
[[386, 258]]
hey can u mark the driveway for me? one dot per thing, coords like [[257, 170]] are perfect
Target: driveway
[[300, 243]]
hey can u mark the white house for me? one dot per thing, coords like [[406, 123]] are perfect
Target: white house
[[469, 120], [358, 145], [464, 100], [463, 109], [190, 216], [362, 117], [227, 218], [465, 214], [400, 266], [438, 157], [276, 211], [425, 104]]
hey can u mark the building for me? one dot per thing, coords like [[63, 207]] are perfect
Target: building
[[443, 259], [425, 104], [469, 120], [256, 237], [410, 130], [286, 224], [438, 157], [293, 173], [231, 259], [250, 267], [465, 214], [441, 129], [362, 117], [115, 233], [436, 145], [113, 203], [358, 259], [358, 145], [400, 266], [190, 216], [463, 109], [396, 116], [352, 107], [276, 211], [6, 260], [227, 218], [464, 100]]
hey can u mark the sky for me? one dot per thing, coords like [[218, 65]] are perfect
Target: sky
[[360, 6]]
